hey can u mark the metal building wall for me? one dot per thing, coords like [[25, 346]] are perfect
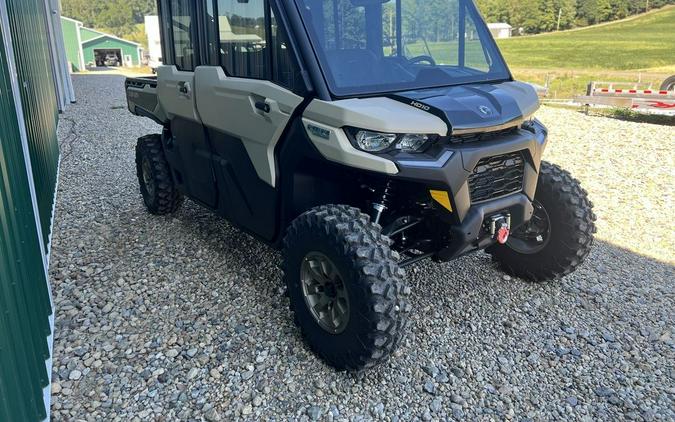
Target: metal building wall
[[38, 97], [24, 298], [31, 92]]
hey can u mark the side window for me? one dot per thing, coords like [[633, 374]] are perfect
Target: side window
[[242, 35], [286, 71], [182, 31], [474, 54]]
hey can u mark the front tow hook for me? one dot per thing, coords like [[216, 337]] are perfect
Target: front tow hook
[[500, 227]]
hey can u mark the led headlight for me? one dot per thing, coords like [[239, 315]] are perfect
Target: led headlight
[[411, 142], [374, 141], [370, 141]]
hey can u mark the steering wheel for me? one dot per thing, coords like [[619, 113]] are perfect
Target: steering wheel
[[422, 58]]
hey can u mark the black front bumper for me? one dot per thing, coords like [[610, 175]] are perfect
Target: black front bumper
[[449, 167]]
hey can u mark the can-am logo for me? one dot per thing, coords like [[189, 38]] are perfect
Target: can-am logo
[[421, 106], [485, 110]]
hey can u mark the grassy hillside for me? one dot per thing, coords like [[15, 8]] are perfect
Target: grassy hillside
[[642, 42]]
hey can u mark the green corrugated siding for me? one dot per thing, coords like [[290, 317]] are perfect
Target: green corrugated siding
[[86, 34], [71, 42], [38, 96], [105, 43], [24, 298]]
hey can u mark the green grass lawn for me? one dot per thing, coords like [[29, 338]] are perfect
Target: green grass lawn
[[646, 41]]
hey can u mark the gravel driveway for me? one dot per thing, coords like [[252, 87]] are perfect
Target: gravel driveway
[[184, 317]]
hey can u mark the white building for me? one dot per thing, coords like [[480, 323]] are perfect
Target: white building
[[154, 40], [500, 30]]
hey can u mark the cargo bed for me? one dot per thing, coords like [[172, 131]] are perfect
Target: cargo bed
[[142, 98]]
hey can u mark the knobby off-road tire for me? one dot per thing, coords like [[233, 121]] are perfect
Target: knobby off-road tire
[[154, 177], [572, 227], [374, 283]]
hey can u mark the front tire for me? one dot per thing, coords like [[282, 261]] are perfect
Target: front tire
[[559, 236], [154, 177], [334, 254]]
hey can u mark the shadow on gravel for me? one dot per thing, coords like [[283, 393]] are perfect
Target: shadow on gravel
[[475, 332], [469, 297], [185, 310], [185, 318]]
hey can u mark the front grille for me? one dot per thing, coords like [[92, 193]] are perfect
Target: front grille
[[480, 136], [497, 176]]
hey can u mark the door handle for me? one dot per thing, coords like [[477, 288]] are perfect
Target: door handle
[[184, 87], [262, 106]]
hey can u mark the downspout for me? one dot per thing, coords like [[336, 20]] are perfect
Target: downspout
[[80, 52]]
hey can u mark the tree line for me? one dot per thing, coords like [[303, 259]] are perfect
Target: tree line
[[119, 17], [535, 16]]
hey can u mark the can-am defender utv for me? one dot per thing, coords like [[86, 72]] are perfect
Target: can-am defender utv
[[358, 136]]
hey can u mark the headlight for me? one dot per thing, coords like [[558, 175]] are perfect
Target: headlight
[[411, 142], [370, 141], [374, 141]]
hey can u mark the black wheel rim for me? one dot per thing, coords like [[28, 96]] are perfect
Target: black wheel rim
[[147, 178], [534, 235], [324, 292]]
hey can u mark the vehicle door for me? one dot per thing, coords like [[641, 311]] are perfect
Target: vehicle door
[[187, 150], [246, 99]]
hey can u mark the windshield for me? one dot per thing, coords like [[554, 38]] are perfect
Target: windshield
[[371, 46]]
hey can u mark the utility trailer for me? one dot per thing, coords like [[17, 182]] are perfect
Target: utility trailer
[[636, 97], [329, 129]]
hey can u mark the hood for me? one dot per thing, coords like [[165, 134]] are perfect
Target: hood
[[476, 107]]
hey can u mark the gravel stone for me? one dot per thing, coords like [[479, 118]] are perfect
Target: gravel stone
[[435, 405], [314, 413], [130, 287], [56, 388], [212, 415], [572, 401], [429, 387]]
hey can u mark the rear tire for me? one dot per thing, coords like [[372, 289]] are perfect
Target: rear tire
[[570, 232], [367, 274], [154, 177]]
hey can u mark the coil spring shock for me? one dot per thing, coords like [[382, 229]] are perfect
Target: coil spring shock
[[381, 206]]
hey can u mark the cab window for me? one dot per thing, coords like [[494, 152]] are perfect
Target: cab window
[[242, 35], [183, 32], [286, 71], [247, 40]]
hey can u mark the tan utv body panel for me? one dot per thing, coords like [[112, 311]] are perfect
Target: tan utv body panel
[[227, 104], [171, 99], [378, 114]]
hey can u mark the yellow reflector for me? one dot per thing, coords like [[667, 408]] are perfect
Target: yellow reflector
[[442, 198]]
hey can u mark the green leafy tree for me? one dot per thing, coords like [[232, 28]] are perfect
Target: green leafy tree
[[119, 17]]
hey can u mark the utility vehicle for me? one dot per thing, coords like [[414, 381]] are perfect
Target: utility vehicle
[[359, 137]]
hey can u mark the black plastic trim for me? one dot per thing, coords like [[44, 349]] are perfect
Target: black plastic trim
[[466, 237], [139, 111]]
